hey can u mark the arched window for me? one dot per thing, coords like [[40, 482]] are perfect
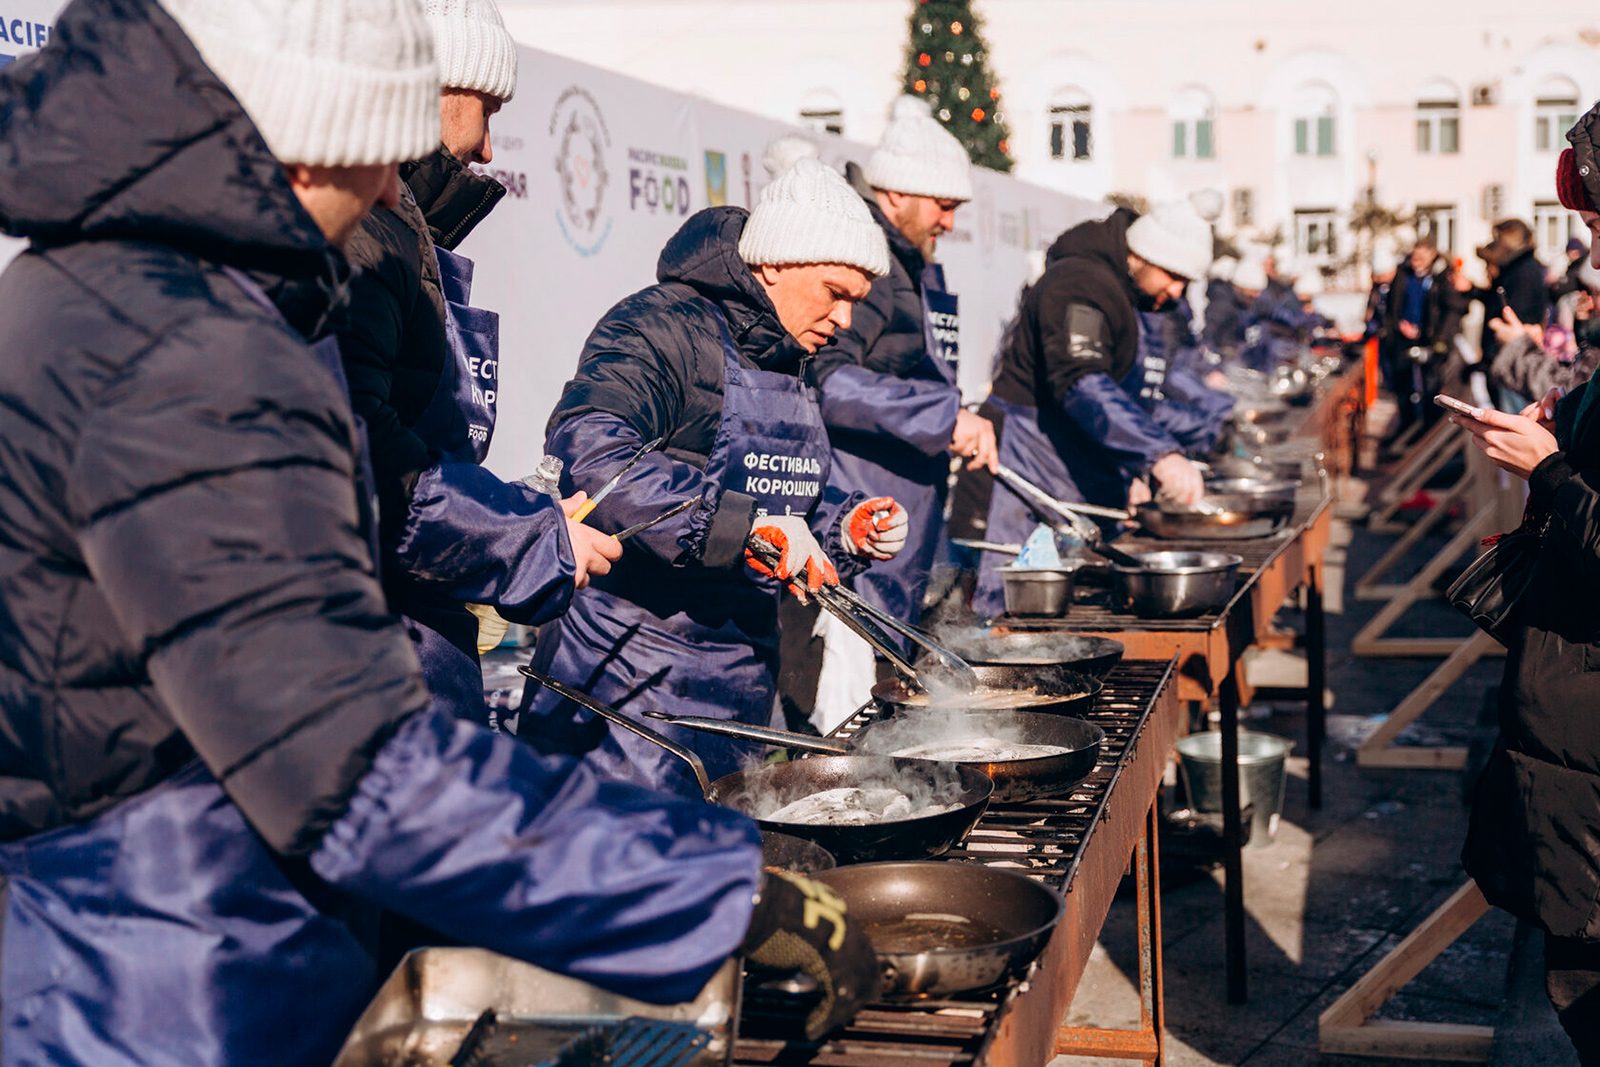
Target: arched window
[[1439, 118], [1555, 109], [1314, 106], [1194, 116], [1071, 125], [823, 111]]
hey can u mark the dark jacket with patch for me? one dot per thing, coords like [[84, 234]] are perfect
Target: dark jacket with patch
[[181, 569], [1077, 337], [1533, 844]]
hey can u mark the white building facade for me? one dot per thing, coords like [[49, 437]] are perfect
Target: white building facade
[[1291, 108]]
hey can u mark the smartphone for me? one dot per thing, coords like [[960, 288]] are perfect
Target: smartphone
[[1450, 403]]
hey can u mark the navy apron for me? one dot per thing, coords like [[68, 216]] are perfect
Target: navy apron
[[456, 425], [687, 640], [165, 932], [918, 482], [1052, 453]]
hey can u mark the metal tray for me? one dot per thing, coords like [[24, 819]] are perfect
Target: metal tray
[[422, 1012]]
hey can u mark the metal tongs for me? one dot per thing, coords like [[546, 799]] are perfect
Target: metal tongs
[[869, 622]]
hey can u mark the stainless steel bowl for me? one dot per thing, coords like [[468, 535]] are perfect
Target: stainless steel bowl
[[1176, 583], [1042, 591]]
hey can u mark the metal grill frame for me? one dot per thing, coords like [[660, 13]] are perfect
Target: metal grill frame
[[961, 1030]]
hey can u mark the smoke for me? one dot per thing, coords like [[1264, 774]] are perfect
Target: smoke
[[924, 783]]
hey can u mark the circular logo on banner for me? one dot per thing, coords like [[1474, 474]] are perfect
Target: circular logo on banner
[[581, 141]]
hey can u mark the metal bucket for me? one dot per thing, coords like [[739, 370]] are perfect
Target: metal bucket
[[1038, 591], [1263, 776]]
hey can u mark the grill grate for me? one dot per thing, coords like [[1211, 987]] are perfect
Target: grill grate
[[1044, 837]]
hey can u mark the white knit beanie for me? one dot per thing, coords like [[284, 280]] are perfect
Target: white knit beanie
[[809, 214], [1174, 237], [784, 152], [474, 49], [917, 155], [335, 83]]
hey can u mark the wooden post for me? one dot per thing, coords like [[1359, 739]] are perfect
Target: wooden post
[[1369, 641], [1379, 750]]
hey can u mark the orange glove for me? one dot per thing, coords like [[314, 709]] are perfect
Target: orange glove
[[782, 547], [876, 528]]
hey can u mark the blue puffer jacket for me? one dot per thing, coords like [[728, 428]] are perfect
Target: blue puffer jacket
[[187, 598]]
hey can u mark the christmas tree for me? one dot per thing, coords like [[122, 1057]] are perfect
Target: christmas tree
[[946, 66]]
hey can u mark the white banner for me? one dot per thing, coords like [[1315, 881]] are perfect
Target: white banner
[[603, 169]]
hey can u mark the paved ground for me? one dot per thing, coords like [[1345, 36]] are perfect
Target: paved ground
[[1339, 887]]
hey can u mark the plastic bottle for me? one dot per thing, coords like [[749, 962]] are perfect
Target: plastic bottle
[[547, 477]]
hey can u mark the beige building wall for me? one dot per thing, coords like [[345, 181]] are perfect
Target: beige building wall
[[1254, 66]]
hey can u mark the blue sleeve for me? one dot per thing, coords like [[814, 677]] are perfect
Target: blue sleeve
[[827, 519], [1106, 414], [919, 412], [485, 541], [475, 835], [1214, 406], [596, 445]]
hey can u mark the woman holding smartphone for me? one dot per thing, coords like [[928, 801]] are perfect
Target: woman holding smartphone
[[1533, 844]]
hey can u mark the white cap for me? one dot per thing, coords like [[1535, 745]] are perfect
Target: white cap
[[474, 49], [783, 152], [917, 155], [1310, 283], [1385, 254], [335, 83], [1252, 272], [809, 214], [1174, 237], [1223, 267]]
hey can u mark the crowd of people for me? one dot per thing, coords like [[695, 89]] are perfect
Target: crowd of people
[[249, 554]]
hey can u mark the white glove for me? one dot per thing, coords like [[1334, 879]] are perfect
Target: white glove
[[782, 547], [875, 528]]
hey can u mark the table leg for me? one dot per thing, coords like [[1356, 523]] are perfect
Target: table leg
[[1232, 844], [1147, 861], [1316, 683]]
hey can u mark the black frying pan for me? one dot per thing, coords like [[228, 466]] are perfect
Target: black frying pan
[[1014, 780], [946, 928], [1020, 659], [761, 790], [1069, 693]]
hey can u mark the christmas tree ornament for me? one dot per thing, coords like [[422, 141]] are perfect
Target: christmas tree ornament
[[950, 31]]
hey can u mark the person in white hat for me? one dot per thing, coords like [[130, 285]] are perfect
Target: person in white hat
[[221, 757], [1069, 425], [424, 366], [706, 366], [888, 386]]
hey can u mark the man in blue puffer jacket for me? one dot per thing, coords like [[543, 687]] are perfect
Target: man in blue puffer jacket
[[216, 751], [1166, 385]]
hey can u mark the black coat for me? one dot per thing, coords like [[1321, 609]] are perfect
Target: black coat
[[1520, 285], [181, 570], [1533, 844], [1442, 308], [393, 338]]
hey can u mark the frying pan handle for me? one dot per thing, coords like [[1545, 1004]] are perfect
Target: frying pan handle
[[760, 734], [612, 715]]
